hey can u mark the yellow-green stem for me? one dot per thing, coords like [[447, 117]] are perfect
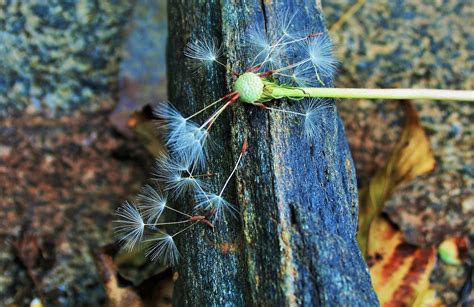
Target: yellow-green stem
[[360, 93]]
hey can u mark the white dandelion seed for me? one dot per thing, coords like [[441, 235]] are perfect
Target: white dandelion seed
[[171, 119], [204, 49], [319, 50], [151, 203], [210, 201], [163, 248], [257, 37], [130, 225], [216, 203], [191, 144], [315, 110], [184, 138], [285, 21], [177, 176], [302, 75]]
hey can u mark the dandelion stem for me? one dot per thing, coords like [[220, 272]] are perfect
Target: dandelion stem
[[284, 111], [169, 223], [232, 173], [186, 228], [214, 116], [291, 66], [177, 211], [205, 108], [361, 93]]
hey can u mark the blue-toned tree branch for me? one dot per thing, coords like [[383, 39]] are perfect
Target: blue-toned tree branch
[[294, 240]]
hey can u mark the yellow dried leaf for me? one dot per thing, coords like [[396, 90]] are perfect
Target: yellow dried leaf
[[400, 271], [428, 298]]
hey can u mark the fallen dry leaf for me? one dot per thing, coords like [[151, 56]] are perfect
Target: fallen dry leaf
[[116, 295], [145, 129], [400, 271], [427, 298], [411, 157]]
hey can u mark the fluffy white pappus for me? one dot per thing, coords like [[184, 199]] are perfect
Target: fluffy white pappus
[[319, 51], [315, 111], [171, 119], [190, 144], [302, 75], [256, 36], [204, 49], [285, 22], [177, 176], [151, 203], [206, 201], [163, 248], [130, 225], [184, 138]]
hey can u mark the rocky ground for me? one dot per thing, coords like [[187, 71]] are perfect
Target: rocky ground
[[413, 44]]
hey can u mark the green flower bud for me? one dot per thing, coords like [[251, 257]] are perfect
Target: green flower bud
[[250, 87]]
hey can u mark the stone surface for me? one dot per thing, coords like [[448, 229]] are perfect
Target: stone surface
[[63, 168], [142, 69], [59, 54], [410, 43], [60, 185]]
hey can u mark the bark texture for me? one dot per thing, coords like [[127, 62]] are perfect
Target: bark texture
[[294, 242]]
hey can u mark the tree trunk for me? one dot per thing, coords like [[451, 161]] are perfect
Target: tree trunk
[[294, 242]]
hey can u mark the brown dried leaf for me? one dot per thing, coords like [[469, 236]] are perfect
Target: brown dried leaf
[[411, 157], [116, 295], [400, 271], [143, 127]]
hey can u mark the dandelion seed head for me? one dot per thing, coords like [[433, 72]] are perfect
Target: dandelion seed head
[[151, 203], [163, 248], [130, 225], [319, 50], [250, 87], [210, 201]]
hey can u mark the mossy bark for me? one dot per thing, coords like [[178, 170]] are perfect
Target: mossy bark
[[294, 242]]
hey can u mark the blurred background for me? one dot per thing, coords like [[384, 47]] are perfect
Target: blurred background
[[76, 140]]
